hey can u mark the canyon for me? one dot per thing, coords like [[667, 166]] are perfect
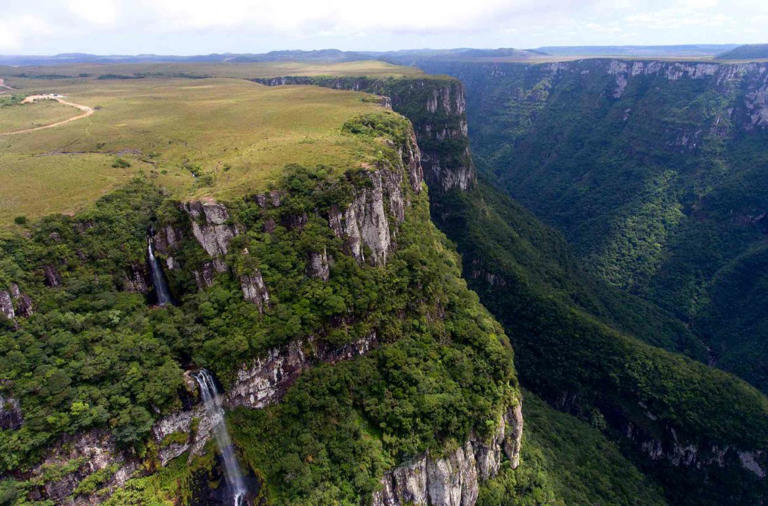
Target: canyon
[[351, 357]]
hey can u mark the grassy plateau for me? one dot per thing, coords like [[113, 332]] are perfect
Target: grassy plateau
[[211, 137]]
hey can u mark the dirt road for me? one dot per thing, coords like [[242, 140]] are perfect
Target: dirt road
[[4, 86], [87, 111]]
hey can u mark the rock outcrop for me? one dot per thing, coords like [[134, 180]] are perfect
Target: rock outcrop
[[6, 305], [14, 303], [136, 280], [364, 223], [91, 451], [211, 228], [267, 379], [672, 450], [729, 79], [437, 109], [453, 479], [11, 417], [52, 277], [254, 289], [166, 240], [24, 306], [258, 385], [318, 266], [448, 164]]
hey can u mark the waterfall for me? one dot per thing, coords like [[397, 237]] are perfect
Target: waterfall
[[212, 403], [161, 288]]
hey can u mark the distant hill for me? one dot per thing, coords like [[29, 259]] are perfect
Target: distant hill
[[746, 52], [59, 59], [642, 51], [408, 56], [320, 55]]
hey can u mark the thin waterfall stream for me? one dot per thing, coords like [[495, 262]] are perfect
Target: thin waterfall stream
[[212, 403], [161, 287]]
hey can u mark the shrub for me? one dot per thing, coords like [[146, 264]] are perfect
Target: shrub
[[121, 163]]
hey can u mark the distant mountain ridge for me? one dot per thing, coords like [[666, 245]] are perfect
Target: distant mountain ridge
[[684, 50], [409, 56], [746, 52], [319, 55]]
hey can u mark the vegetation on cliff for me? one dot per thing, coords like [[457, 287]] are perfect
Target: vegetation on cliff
[[567, 461], [583, 342], [593, 366], [94, 354], [654, 172]]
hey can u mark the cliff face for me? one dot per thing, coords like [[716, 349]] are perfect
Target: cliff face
[[14, 303], [540, 126], [453, 479], [437, 110], [353, 225], [653, 171], [11, 417]]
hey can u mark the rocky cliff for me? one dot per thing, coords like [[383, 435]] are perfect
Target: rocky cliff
[[14, 303], [338, 229], [570, 139], [453, 479], [437, 109], [651, 169]]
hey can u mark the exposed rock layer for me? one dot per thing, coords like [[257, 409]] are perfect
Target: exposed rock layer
[[453, 479], [11, 417], [437, 109]]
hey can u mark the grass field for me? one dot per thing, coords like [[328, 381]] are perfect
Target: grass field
[[197, 137], [21, 116], [369, 68]]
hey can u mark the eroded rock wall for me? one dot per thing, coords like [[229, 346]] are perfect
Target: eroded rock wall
[[454, 479], [437, 109]]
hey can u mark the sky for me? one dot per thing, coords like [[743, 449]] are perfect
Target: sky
[[185, 27]]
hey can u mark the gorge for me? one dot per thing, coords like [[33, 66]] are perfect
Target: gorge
[[341, 306]]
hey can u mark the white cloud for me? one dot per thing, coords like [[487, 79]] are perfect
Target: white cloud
[[337, 16], [98, 12], [194, 26], [14, 31]]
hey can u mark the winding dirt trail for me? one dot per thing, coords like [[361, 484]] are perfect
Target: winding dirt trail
[[87, 111]]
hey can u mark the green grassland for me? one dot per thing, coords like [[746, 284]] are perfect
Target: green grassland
[[197, 138], [16, 116], [369, 68]]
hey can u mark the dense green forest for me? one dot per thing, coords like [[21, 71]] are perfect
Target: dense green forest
[[587, 346], [567, 461], [600, 369], [654, 172], [94, 355]]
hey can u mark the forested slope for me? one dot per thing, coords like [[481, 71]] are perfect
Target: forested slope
[[583, 345], [655, 172]]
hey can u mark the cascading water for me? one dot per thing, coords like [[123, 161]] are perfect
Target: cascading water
[[212, 403], [161, 288]]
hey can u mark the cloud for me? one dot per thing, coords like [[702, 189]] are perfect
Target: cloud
[[194, 26], [336, 16], [15, 30], [97, 12]]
